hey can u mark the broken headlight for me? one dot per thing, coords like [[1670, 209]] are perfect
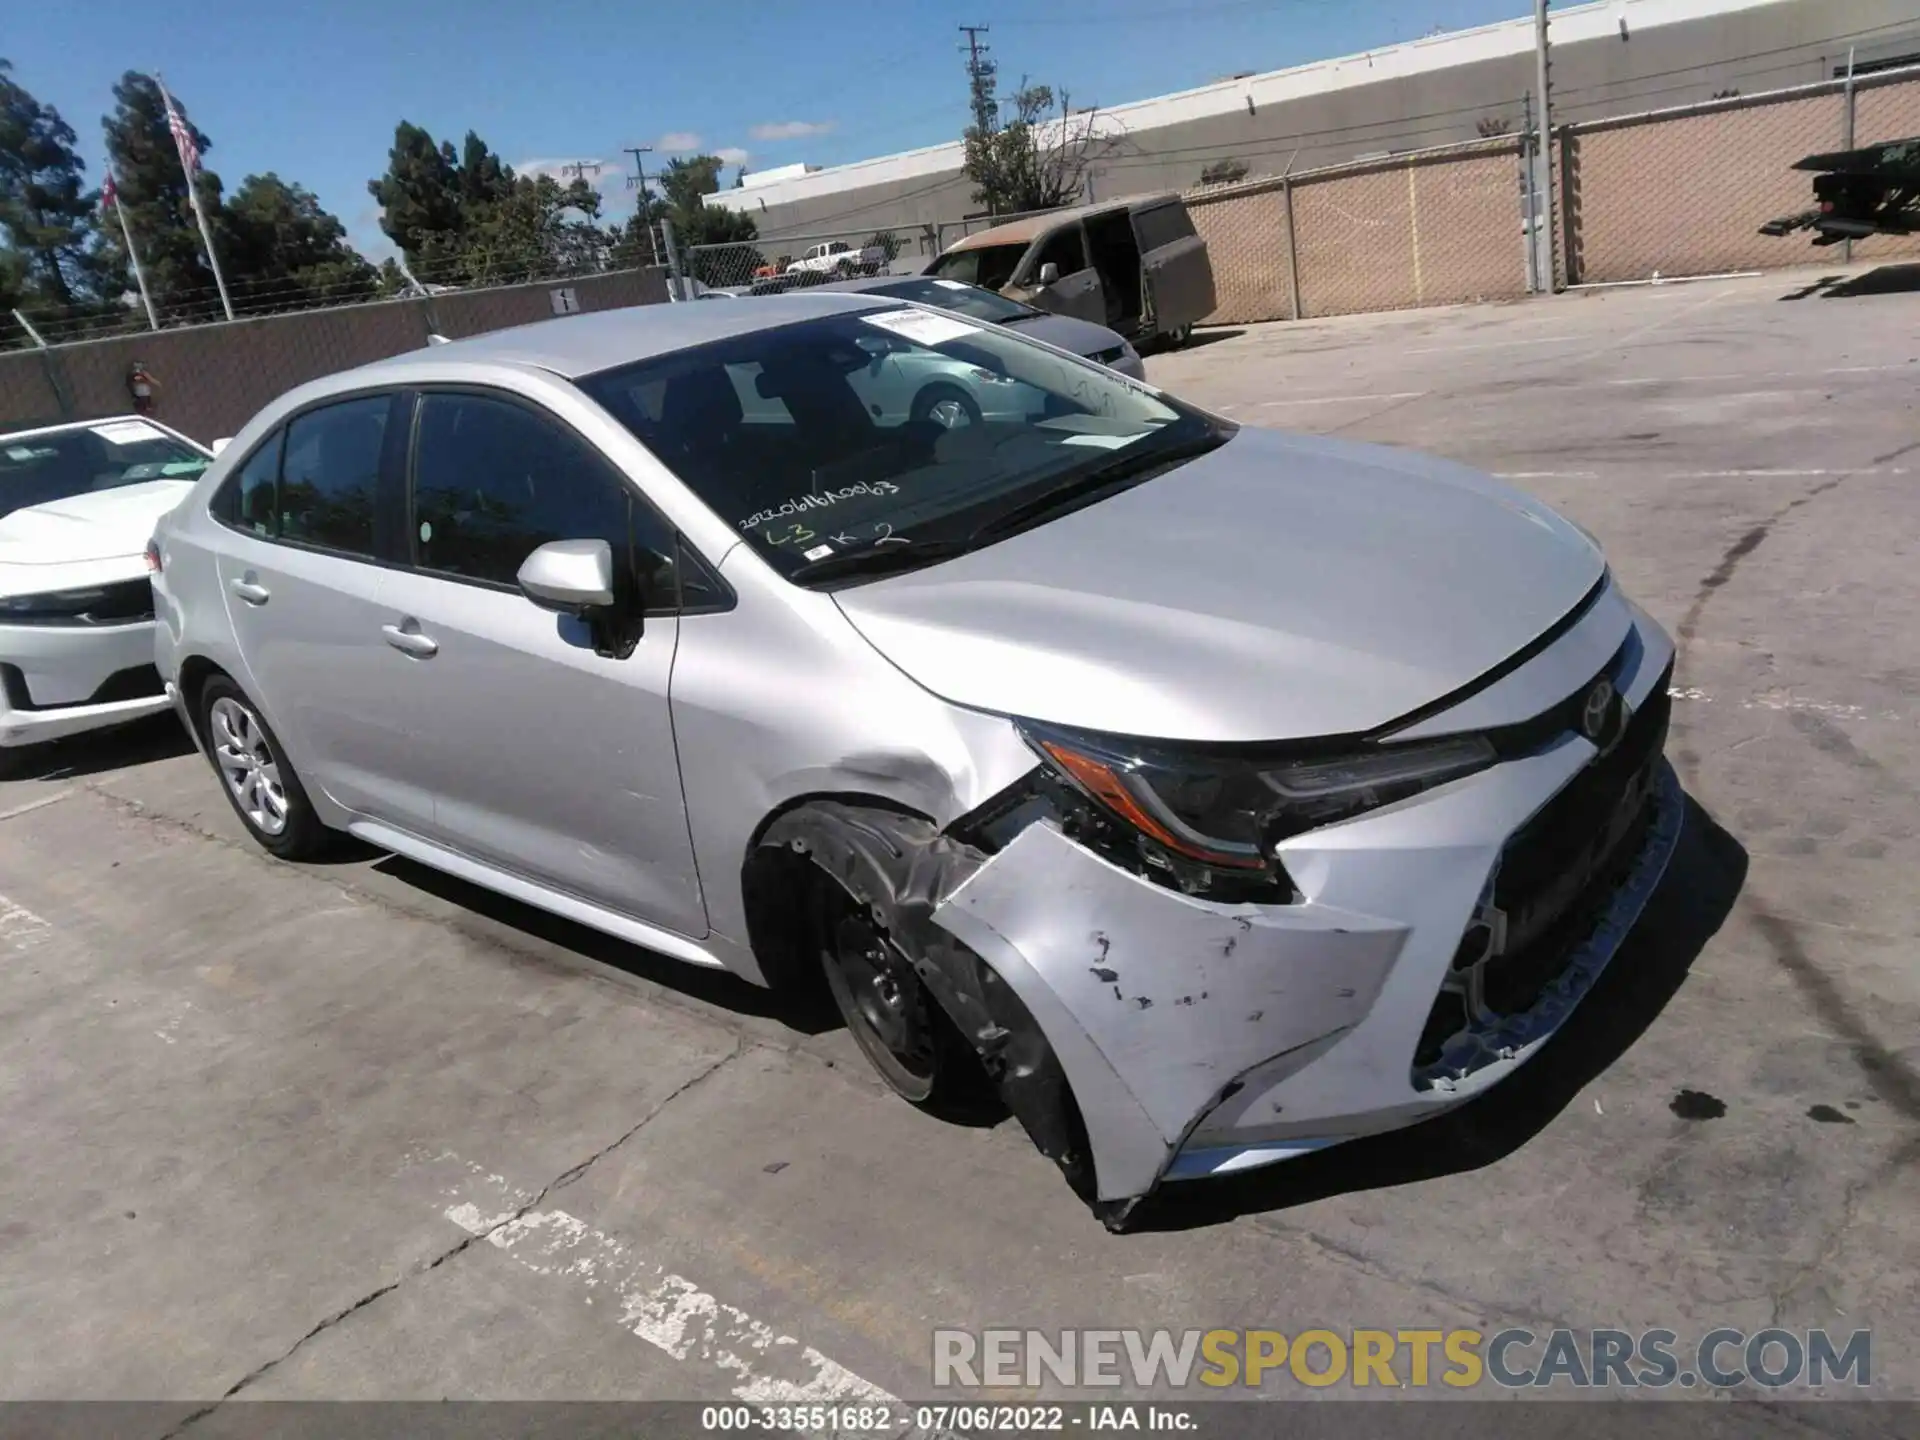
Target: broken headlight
[[1211, 820]]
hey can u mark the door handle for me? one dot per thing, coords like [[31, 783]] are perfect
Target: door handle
[[250, 591], [410, 642]]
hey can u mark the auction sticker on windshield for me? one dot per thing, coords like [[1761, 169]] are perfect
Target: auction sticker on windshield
[[126, 432], [921, 327]]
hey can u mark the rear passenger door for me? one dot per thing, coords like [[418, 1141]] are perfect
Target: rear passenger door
[[1177, 270], [301, 578], [545, 759]]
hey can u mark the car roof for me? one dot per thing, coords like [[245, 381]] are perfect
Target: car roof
[[578, 345], [1023, 232]]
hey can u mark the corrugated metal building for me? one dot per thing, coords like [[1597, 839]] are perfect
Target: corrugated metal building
[[1609, 58]]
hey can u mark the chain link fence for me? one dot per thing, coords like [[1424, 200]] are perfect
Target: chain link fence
[[1683, 192], [768, 266], [1430, 227]]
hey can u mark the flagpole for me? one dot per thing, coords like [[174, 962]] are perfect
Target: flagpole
[[193, 196], [133, 253]]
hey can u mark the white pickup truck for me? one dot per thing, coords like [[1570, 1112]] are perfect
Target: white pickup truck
[[837, 257]]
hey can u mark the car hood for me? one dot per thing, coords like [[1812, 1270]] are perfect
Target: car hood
[[97, 525], [1082, 337], [1276, 588]]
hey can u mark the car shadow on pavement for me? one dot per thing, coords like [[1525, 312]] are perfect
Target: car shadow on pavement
[[719, 988], [1706, 874], [140, 742], [1882, 280], [1201, 338]]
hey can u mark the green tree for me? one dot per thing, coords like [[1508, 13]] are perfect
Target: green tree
[[684, 189], [153, 191], [536, 230], [48, 214], [281, 249], [422, 203], [1032, 158]]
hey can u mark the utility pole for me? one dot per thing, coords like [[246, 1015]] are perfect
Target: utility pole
[[1544, 158], [580, 169], [980, 72], [638, 182]]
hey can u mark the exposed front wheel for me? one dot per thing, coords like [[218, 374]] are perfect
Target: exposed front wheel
[[897, 1024], [1178, 336], [255, 774]]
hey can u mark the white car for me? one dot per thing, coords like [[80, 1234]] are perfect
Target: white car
[[905, 381], [78, 504]]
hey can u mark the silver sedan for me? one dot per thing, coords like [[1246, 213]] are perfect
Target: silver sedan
[[1218, 795]]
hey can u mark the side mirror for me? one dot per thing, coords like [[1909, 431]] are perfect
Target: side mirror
[[220, 445], [571, 576], [1049, 273]]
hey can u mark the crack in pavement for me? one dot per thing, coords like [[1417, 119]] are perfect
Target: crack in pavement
[[1375, 1269], [559, 1182]]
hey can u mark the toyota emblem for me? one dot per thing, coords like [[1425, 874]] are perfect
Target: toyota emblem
[[1594, 713]]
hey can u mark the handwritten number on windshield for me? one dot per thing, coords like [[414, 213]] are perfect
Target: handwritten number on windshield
[[796, 535]]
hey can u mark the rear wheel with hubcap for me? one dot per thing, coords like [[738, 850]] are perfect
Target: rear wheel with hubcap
[[255, 774]]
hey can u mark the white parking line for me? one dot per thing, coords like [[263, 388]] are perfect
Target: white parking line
[[1344, 399], [1490, 345], [32, 805], [668, 1311], [20, 928], [1706, 474], [1776, 700]]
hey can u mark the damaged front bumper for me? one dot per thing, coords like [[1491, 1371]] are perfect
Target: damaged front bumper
[[1201, 1038]]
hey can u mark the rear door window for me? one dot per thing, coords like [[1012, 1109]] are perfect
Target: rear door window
[[1161, 226]]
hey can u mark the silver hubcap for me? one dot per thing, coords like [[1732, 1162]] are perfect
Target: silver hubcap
[[949, 414], [247, 764]]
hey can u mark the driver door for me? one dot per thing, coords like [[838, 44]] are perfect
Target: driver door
[[545, 758], [1077, 291]]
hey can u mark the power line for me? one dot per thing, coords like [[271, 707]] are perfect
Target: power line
[[980, 80]]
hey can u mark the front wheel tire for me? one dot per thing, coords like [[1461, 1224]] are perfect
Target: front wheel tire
[[256, 776], [947, 406], [892, 1017]]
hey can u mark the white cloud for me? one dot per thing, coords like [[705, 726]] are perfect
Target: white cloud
[[791, 129], [677, 140], [733, 154]]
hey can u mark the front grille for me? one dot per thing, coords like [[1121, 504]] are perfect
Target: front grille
[[122, 603], [1564, 835], [136, 682], [1559, 872]]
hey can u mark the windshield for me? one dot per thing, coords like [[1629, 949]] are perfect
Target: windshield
[[989, 266], [959, 297], [884, 427], [36, 469]]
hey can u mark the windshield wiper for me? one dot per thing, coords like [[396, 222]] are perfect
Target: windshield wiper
[[1126, 469], [895, 554]]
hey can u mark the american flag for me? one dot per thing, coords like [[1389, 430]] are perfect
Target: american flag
[[183, 140], [109, 192]]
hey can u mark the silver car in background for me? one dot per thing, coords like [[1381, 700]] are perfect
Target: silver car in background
[[1082, 337], [1219, 794]]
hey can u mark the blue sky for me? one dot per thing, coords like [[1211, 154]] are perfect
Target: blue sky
[[313, 92]]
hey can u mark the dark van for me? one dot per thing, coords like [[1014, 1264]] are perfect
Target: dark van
[[1133, 265]]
